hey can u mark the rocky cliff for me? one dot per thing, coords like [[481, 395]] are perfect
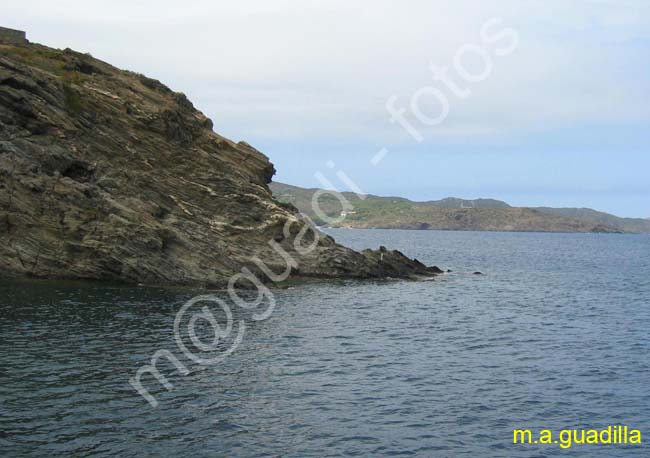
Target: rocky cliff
[[109, 175]]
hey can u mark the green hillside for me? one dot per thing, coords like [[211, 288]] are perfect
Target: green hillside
[[448, 214]]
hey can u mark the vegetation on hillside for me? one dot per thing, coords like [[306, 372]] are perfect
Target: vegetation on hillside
[[448, 214]]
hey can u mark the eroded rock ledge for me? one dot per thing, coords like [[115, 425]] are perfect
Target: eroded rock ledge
[[109, 175]]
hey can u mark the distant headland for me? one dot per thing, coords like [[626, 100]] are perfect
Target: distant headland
[[451, 214]]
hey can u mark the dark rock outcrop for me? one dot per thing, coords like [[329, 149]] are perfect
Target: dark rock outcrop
[[106, 174]]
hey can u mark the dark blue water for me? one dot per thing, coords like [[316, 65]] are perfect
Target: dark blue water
[[555, 335]]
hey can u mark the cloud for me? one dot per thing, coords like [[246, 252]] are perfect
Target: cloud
[[319, 70]]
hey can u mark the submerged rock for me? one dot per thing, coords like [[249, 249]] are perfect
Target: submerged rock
[[109, 175]]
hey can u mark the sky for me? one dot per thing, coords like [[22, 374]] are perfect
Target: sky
[[532, 102]]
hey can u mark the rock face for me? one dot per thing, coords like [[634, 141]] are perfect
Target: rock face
[[109, 175]]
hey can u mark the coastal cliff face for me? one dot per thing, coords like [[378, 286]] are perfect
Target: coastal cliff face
[[107, 174]]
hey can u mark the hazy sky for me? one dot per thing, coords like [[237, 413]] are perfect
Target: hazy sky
[[562, 120]]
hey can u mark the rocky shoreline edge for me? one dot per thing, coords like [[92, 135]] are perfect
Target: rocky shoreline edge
[[109, 175]]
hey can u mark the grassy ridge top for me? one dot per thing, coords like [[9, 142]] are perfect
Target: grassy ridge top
[[453, 214]]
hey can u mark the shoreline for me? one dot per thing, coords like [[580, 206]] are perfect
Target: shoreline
[[480, 230]]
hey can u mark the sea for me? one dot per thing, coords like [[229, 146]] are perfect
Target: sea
[[554, 335]]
